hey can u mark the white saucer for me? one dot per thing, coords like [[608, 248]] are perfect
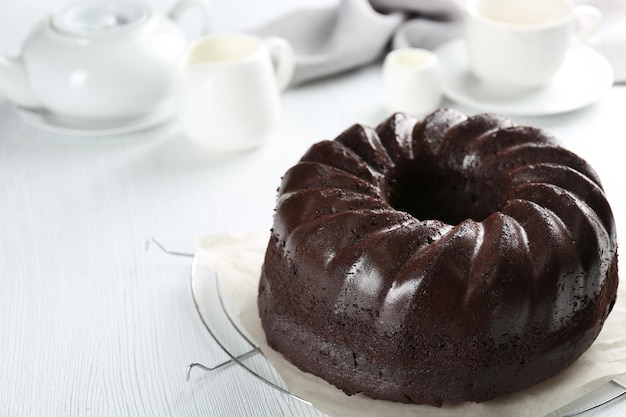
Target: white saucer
[[584, 78], [53, 123]]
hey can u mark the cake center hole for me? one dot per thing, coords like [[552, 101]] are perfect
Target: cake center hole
[[427, 194]]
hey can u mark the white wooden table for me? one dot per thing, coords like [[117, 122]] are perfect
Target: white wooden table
[[92, 323]]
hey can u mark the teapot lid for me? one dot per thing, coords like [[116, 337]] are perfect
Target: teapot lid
[[93, 18]]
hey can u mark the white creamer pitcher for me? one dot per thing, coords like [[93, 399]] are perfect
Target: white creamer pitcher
[[229, 90]]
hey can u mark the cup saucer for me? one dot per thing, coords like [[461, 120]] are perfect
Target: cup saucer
[[53, 123], [583, 79]]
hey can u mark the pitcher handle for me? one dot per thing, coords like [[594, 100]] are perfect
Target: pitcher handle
[[283, 56], [183, 6]]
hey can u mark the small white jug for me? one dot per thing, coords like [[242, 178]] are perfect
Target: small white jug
[[229, 90], [411, 81]]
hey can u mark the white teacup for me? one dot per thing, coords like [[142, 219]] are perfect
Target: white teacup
[[229, 90], [523, 43], [411, 81]]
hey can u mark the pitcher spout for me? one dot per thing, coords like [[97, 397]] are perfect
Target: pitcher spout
[[14, 83]]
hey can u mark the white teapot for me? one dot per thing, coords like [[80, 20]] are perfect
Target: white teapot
[[99, 61]]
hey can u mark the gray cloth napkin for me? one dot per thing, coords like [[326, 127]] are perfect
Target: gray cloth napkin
[[354, 33]]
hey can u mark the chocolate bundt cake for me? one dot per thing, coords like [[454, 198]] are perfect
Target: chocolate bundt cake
[[449, 259]]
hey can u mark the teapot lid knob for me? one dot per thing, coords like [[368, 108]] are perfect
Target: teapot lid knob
[[92, 18]]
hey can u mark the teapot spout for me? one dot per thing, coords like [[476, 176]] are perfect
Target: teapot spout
[[14, 83]]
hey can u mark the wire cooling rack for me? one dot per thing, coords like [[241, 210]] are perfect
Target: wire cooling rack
[[609, 393]]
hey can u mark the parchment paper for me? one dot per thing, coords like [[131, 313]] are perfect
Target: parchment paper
[[237, 261]]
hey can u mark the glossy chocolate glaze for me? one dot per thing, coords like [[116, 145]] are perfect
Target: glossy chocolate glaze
[[449, 259]]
